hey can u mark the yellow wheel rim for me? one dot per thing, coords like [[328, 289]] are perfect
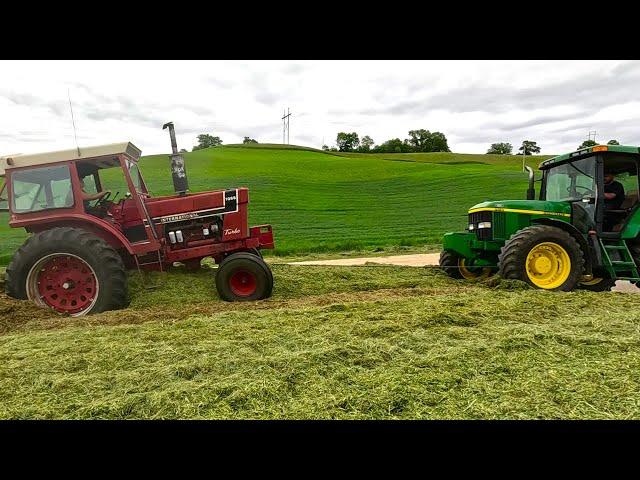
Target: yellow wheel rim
[[548, 265], [593, 281], [472, 275]]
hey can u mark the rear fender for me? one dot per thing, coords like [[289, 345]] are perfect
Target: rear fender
[[97, 226]]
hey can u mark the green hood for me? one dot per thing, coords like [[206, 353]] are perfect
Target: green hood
[[535, 207]]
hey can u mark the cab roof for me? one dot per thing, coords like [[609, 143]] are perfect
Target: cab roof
[[106, 153], [585, 151]]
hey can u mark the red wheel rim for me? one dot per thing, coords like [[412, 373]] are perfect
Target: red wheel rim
[[243, 283], [65, 283]]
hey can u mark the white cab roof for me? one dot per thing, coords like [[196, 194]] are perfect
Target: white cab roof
[[111, 151]]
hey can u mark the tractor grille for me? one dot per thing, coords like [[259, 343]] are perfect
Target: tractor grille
[[482, 233], [498, 225]]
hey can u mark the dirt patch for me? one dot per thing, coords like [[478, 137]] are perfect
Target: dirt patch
[[14, 313]]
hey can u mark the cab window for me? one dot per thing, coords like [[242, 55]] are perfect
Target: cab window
[[4, 202], [41, 189]]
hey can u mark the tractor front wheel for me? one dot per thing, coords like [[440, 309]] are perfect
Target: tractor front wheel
[[457, 267], [543, 256], [598, 284], [70, 271], [244, 276]]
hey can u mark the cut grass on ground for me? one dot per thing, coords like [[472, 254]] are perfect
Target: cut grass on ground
[[334, 342]]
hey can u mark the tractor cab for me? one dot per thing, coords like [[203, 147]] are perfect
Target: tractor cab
[[601, 185], [583, 231], [59, 186]]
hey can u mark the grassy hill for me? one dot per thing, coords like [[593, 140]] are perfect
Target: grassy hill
[[319, 201]]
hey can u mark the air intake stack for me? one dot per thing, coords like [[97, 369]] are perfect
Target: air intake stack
[[178, 170]]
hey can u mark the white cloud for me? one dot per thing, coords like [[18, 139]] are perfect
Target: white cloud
[[475, 103]]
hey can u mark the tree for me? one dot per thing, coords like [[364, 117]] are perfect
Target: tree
[[325, 148], [528, 147], [347, 142], [587, 144], [424, 141], [501, 148], [183, 150], [249, 140], [395, 145], [613, 142], [205, 141], [365, 144]]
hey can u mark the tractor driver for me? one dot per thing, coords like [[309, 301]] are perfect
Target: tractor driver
[[88, 197], [613, 198]]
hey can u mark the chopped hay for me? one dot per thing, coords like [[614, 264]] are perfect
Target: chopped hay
[[14, 313]]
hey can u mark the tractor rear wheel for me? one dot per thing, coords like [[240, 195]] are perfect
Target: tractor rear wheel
[[543, 256], [244, 276], [456, 267], [69, 270]]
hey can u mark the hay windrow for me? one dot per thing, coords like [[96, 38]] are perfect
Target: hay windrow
[[16, 313]]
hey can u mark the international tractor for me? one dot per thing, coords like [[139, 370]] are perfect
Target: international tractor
[[76, 258], [573, 236]]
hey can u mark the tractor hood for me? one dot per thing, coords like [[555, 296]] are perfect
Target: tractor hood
[[532, 207]]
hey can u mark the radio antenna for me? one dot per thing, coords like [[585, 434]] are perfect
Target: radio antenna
[[73, 122]]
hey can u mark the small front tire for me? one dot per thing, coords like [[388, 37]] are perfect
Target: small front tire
[[243, 277]]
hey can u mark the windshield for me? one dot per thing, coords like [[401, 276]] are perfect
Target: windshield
[[136, 176], [571, 181]]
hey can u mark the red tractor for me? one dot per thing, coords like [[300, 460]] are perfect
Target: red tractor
[[76, 259]]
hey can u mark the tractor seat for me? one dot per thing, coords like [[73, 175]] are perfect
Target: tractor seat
[[630, 200]]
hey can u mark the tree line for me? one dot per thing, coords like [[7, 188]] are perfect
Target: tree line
[[420, 140], [205, 141], [528, 147]]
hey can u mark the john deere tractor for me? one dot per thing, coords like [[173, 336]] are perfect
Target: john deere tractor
[[569, 238]]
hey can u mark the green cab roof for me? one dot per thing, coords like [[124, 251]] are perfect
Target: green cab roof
[[584, 151]]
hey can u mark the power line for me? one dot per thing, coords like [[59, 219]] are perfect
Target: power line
[[285, 124]]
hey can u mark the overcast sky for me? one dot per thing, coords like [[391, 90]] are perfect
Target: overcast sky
[[474, 103]]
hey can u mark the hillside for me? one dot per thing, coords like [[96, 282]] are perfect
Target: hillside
[[319, 201]]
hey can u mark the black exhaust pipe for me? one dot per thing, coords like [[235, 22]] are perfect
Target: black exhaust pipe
[[531, 192], [178, 170]]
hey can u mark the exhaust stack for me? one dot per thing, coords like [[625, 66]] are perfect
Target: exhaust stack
[[531, 192], [178, 170]]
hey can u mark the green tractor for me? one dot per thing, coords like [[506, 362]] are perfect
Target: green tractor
[[575, 236]]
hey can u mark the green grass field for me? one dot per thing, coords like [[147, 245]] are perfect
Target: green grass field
[[324, 202], [334, 342]]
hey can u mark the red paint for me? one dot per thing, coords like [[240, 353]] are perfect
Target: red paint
[[243, 283], [67, 284]]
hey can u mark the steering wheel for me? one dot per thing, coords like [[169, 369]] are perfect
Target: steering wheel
[[587, 191], [103, 200]]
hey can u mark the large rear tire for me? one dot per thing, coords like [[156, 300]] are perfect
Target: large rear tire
[[69, 270], [243, 277], [543, 256]]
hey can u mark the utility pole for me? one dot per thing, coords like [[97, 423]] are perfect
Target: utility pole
[[594, 135], [285, 125]]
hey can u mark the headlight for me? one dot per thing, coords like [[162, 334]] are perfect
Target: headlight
[[471, 226], [484, 225]]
